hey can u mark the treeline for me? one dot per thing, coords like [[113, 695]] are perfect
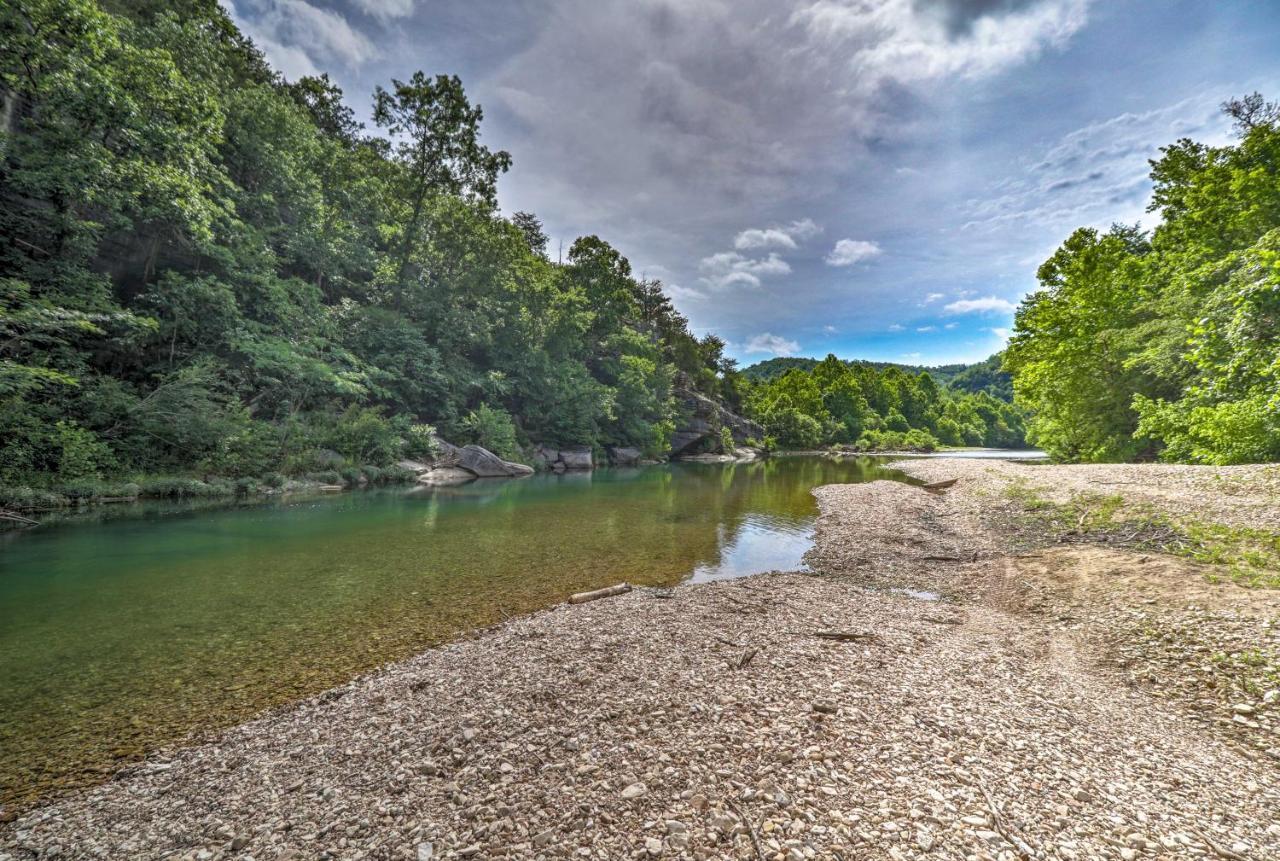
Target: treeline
[[857, 404], [1167, 343], [205, 269]]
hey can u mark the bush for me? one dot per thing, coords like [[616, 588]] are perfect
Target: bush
[[372, 474], [29, 499], [247, 487], [364, 435], [352, 476], [274, 480], [492, 428], [726, 441], [324, 476], [183, 488], [80, 453], [793, 429], [397, 475], [90, 491], [421, 441]]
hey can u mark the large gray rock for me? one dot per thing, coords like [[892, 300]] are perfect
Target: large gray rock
[[480, 461], [624, 455], [699, 423], [446, 476], [576, 457], [417, 467]]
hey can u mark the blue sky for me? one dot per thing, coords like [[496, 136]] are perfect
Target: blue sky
[[874, 178]]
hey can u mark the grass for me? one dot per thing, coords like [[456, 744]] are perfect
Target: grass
[[1245, 556]]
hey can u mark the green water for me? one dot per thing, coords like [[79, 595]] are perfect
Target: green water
[[134, 627]]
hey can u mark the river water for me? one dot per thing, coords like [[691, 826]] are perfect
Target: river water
[[132, 626]]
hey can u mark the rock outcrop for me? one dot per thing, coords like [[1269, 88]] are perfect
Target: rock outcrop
[[625, 455], [561, 459], [446, 476], [701, 419]]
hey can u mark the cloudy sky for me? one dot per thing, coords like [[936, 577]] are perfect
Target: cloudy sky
[[874, 178]]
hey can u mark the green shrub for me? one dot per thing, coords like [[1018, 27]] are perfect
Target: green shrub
[[324, 476], [397, 475], [421, 441], [274, 480], [247, 486], [30, 499], [726, 441], [352, 476], [80, 453], [183, 488], [492, 428], [372, 474]]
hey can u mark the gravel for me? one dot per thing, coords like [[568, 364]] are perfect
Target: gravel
[[947, 712]]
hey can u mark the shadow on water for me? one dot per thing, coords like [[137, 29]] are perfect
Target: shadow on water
[[134, 626]]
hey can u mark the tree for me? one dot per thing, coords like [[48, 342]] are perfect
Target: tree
[[531, 226], [439, 147]]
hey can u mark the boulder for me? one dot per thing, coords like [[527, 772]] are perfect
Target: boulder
[[417, 467], [576, 457], [700, 421], [481, 462], [446, 476], [624, 456]]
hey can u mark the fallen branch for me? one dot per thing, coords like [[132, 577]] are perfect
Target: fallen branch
[[846, 636], [943, 620], [751, 829], [745, 659], [17, 518], [936, 486], [997, 822], [597, 594], [1220, 851], [942, 558]]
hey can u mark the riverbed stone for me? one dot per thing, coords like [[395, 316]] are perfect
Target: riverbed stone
[[624, 455], [576, 457]]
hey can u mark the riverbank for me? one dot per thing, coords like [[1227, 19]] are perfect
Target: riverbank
[[1039, 705]]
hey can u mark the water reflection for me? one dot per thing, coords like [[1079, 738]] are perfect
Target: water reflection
[[134, 625]]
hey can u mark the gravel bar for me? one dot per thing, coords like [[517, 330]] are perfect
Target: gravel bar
[[918, 698]]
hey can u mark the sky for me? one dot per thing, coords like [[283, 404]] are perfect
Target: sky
[[877, 179]]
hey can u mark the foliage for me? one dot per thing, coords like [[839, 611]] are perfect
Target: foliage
[[857, 403], [209, 270], [1167, 344]]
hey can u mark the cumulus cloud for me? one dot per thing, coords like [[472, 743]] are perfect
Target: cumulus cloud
[[729, 268], [926, 329], [950, 325], [787, 237], [849, 251], [301, 39], [985, 305], [897, 327], [771, 344], [930, 298], [1001, 332]]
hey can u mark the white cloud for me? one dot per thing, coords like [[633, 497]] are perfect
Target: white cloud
[[829, 330], [926, 329], [985, 305], [688, 294], [950, 325], [1000, 332], [897, 327], [385, 10], [849, 251], [772, 344], [931, 298], [299, 38], [913, 357], [777, 237], [728, 268]]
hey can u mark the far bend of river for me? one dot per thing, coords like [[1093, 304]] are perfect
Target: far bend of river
[[130, 627]]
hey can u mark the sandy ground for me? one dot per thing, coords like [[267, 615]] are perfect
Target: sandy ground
[[969, 702]]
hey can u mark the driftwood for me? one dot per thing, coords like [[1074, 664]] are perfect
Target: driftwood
[[939, 486], [846, 636], [606, 592], [17, 518]]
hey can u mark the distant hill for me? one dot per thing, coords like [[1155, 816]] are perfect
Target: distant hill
[[984, 376]]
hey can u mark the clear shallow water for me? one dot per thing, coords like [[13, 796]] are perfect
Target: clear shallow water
[[136, 625]]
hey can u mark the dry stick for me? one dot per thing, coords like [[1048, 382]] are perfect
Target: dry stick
[[5, 514], [607, 592], [1007, 833], [746, 658], [843, 636], [1220, 851], [751, 829]]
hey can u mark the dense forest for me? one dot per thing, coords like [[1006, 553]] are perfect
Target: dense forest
[[870, 407], [1166, 343], [207, 269]]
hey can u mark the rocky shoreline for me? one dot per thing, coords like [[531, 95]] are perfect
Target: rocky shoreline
[[942, 690]]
